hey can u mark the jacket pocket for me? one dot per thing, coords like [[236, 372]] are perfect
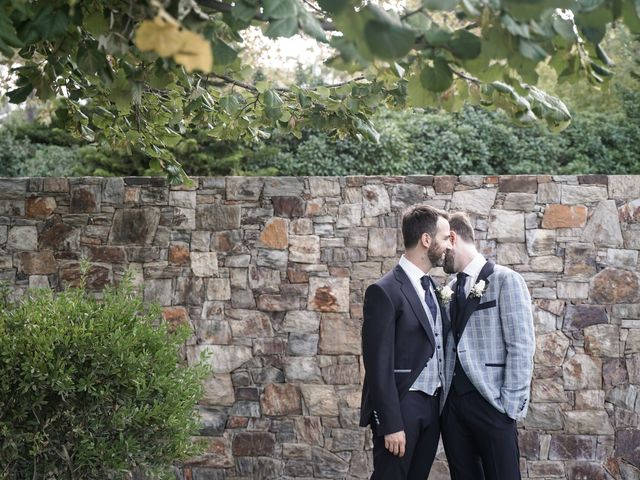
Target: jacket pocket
[[402, 370], [502, 365], [484, 305]]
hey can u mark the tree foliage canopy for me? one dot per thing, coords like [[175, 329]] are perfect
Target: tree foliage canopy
[[136, 75]]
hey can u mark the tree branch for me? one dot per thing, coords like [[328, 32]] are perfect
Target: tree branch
[[465, 76], [409, 14], [228, 80], [238, 83]]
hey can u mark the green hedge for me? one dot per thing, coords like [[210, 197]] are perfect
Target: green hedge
[[92, 389], [474, 141]]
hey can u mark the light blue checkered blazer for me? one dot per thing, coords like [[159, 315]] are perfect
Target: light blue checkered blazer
[[498, 342]]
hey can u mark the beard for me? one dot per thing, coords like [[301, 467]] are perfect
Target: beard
[[449, 262], [435, 256]]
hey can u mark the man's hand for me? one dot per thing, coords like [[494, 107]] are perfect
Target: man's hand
[[395, 443]]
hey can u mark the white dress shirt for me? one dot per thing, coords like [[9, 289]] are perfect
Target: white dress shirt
[[430, 379], [473, 271]]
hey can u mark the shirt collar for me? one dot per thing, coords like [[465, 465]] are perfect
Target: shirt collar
[[475, 266], [413, 272]]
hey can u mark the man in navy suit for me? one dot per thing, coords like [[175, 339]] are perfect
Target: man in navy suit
[[403, 352]]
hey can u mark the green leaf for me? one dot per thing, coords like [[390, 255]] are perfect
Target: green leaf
[[121, 94], [564, 26], [532, 9], [437, 37], [95, 23], [304, 100], [482, 69], [532, 50], [440, 4], [631, 15], [223, 54], [20, 94], [474, 7], [170, 137], [417, 95], [91, 61], [526, 67], [515, 28], [324, 92], [283, 27], [464, 44], [311, 26], [6, 50], [244, 11], [230, 104], [387, 40], [280, 8], [334, 6], [437, 78], [273, 104], [8, 33], [366, 128], [495, 42], [47, 24], [262, 86]]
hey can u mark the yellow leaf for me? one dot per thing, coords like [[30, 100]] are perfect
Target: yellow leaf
[[194, 53], [164, 36], [158, 35]]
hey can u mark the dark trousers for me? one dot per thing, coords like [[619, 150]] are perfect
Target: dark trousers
[[480, 442], [420, 413]]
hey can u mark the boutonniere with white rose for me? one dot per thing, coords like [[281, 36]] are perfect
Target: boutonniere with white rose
[[445, 294], [478, 289]]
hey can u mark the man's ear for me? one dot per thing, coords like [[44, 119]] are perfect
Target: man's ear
[[425, 240], [454, 237]]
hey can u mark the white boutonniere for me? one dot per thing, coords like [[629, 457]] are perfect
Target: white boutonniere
[[444, 294], [478, 289]]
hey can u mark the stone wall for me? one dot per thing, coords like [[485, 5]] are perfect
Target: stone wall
[[270, 272]]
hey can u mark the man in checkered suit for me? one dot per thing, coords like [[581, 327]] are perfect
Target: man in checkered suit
[[489, 362]]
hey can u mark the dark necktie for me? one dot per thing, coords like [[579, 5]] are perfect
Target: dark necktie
[[461, 296], [428, 298]]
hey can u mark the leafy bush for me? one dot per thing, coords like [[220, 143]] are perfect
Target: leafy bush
[[51, 161], [91, 389], [13, 152], [473, 141]]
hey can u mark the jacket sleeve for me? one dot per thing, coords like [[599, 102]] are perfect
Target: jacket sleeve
[[517, 326], [378, 345]]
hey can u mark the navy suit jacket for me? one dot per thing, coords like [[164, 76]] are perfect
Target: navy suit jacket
[[397, 342]]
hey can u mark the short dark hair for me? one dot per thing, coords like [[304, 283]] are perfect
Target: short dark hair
[[420, 219], [460, 223]]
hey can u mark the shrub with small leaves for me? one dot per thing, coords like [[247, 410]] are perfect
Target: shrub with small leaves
[[93, 388]]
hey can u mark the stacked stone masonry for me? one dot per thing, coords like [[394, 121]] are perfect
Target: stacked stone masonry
[[269, 273]]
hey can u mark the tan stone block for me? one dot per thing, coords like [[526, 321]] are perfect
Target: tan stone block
[[615, 286], [564, 216], [179, 254], [175, 316], [328, 294], [281, 399], [37, 263], [40, 207], [340, 335], [320, 400], [275, 234]]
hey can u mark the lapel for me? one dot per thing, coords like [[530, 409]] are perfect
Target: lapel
[[473, 302], [446, 324], [416, 305]]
